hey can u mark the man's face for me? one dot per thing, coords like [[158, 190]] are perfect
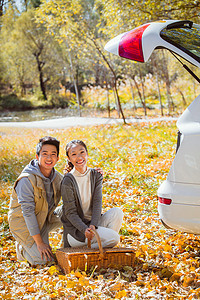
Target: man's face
[[47, 159]]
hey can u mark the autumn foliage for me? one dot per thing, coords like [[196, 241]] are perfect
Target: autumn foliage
[[135, 159]]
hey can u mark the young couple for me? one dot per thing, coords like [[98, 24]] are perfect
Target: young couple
[[34, 210]]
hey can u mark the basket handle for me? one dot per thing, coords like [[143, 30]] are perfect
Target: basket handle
[[98, 241]]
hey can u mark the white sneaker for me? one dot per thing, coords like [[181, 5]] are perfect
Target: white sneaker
[[19, 251]]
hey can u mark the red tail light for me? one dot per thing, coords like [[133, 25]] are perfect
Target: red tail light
[[165, 200], [130, 45]]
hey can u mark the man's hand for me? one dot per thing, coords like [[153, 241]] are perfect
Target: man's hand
[[45, 252], [88, 234], [44, 249]]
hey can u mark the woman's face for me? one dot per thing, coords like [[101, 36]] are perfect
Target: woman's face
[[78, 156]]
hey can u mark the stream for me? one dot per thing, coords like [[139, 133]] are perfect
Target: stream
[[37, 114]]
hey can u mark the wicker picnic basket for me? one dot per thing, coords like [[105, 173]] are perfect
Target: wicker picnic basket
[[84, 258]]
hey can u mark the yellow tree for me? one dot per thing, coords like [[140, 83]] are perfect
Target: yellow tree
[[29, 54], [14, 69], [128, 14], [80, 25]]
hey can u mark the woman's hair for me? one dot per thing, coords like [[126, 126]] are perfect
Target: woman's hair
[[69, 166]]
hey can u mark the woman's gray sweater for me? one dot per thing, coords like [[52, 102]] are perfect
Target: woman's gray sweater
[[73, 218]]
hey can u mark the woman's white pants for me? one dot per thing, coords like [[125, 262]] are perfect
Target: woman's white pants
[[108, 228]]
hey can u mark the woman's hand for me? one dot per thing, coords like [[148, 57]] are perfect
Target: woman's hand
[[99, 170], [88, 233]]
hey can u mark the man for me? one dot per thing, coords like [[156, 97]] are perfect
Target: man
[[33, 209]]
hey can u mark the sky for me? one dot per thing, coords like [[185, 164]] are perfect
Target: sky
[[18, 4]]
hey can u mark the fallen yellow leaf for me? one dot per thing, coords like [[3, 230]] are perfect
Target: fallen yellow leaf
[[121, 294]]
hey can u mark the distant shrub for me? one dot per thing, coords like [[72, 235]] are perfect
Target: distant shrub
[[58, 101], [12, 102]]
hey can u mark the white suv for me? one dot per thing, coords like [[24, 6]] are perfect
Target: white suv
[[179, 194]]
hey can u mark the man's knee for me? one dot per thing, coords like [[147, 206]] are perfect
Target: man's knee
[[34, 259]]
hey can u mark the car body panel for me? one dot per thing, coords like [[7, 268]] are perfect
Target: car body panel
[[182, 185], [184, 212], [181, 217], [189, 121]]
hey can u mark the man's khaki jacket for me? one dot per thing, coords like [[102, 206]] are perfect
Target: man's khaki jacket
[[15, 217]]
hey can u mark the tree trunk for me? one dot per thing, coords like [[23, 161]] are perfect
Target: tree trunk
[[77, 96], [22, 89], [118, 101], [139, 94], [74, 79], [40, 65], [3, 3], [143, 94], [108, 99], [75, 85], [183, 97], [22, 85], [167, 81], [97, 78], [132, 94], [159, 95], [155, 68], [42, 85], [77, 92], [117, 106]]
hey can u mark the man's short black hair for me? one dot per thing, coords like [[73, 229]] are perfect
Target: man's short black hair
[[47, 140]]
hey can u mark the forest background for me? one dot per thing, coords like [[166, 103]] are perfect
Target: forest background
[[52, 55]]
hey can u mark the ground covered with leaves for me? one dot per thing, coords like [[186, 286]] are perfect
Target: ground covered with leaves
[[135, 159]]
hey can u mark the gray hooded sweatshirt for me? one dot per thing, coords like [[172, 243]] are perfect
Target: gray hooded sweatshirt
[[25, 194]]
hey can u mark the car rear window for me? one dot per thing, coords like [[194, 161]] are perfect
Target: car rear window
[[185, 36]]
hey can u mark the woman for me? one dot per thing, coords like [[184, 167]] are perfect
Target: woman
[[82, 203]]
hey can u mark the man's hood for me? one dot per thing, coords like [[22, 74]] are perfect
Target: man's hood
[[33, 168]]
